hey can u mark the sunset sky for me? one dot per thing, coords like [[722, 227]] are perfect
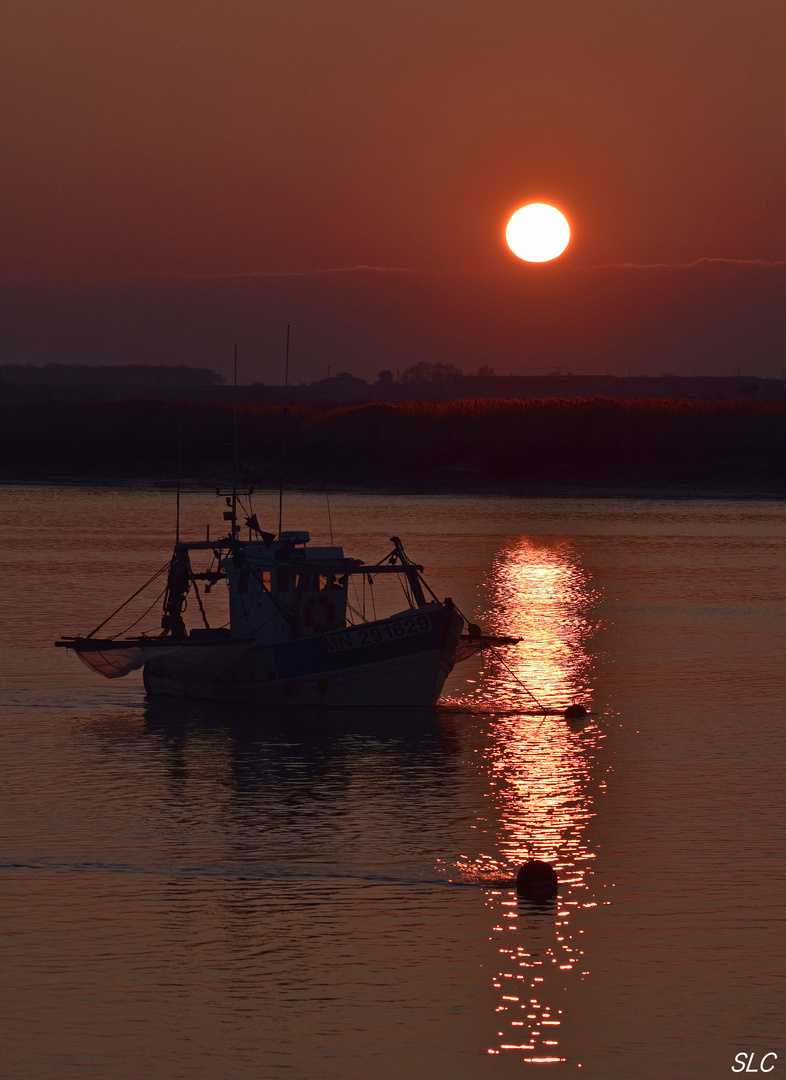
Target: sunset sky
[[178, 176]]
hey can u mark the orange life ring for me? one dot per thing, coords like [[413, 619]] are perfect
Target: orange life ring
[[320, 613]]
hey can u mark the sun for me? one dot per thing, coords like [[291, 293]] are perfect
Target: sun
[[537, 233]]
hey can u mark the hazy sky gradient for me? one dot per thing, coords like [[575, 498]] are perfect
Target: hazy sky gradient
[[201, 138], [150, 139]]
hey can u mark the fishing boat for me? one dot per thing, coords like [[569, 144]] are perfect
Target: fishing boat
[[295, 631]]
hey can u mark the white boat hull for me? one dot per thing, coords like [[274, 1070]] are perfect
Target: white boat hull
[[400, 683], [395, 672]]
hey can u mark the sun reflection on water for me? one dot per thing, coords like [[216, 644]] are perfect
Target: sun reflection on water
[[538, 772], [538, 591]]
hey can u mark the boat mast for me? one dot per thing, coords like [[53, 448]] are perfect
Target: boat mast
[[283, 432], [233, 521], [179, 454]]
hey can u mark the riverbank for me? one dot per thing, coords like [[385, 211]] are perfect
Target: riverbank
[[561, 447]]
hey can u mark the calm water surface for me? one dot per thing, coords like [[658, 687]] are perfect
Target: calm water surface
[[202, 892]]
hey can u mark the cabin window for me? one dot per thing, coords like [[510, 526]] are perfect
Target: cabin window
[[267, 579], [242, 580], [282, 580]]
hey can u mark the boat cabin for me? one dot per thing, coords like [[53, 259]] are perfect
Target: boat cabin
[[284, 590]]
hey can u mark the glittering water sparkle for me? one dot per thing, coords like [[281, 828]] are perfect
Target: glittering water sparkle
[[193, 891]]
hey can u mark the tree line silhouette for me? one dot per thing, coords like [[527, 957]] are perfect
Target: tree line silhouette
[[539, 444]]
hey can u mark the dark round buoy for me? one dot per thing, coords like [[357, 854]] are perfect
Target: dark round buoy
[[575, 712], [537, 880]]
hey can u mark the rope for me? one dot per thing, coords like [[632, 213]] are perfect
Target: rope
[[354, 611], [518, 680], [402, 580], [141, 617], [196, 594], [504, 663], [128, 601]]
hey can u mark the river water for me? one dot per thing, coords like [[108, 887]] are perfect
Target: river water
[[194, 891]]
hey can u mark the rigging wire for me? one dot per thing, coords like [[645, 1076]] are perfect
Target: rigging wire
[[355, 611], [114, 637], [283, 437], [330, 519], [506, 665], [360, 610], [402, 580], [149, 581], [497, 656], [196, 594]]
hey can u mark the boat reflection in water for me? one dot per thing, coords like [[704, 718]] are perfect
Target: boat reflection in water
[[539, 770]]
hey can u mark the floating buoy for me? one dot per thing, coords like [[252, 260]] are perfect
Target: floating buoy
[[575, 712], [537, 880]]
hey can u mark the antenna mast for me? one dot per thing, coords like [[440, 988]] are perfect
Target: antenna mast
[[234, 451], [179, 454], [283, 432]]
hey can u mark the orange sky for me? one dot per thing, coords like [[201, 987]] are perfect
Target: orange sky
[[145, 137], [150, 138]]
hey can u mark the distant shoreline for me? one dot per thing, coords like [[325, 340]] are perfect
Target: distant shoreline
[[529, 448], [196, 485]]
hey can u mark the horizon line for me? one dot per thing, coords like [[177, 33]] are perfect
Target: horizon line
[[247, 275]]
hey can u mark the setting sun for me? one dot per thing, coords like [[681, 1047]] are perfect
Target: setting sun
[[537, 233]]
